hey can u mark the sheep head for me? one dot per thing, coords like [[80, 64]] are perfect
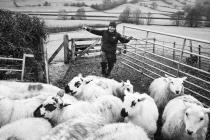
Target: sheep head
[[195, 118], [74, 86], [127, 86], [175, 84], [131, 105], [49, 106]]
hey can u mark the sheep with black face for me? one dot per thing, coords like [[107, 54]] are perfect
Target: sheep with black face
[[140, 109], [108, 106], [91, 87]]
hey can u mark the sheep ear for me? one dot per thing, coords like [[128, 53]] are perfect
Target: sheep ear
[[206, 110], [123, 83], [166, 75], [184, 78], [142, 99], [61, 93], [128, 81], [80, 75], [63, 105], [167, 79]]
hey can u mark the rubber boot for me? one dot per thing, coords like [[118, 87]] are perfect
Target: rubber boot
[[103, 68], [110, 67]]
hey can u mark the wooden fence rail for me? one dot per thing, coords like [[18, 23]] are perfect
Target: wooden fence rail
[[74, 50]]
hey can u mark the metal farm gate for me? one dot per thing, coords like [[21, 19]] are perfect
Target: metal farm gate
[[155, 54]]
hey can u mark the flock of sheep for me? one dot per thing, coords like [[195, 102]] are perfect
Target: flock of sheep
[[98, 108]]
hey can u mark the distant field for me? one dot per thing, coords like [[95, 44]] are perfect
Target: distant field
[[72, 23]]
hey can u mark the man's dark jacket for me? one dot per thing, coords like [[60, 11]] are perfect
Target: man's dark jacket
[[109, 40]]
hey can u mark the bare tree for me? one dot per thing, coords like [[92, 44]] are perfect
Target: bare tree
[[107, 2], [178, 18], [15, 3], [124, 16], [62, 14], [80, 14], [154, 5], [148, 18], [193, 17], [136, 17]]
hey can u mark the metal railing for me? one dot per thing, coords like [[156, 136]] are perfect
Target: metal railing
[[148, 59], [23, 60]]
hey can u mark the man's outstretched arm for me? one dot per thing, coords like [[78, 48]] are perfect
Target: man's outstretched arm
[[93, 31]]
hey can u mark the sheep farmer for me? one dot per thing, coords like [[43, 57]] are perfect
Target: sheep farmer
[[109, 42]]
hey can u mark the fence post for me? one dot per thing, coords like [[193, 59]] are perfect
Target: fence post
[[123, 32], [163, 48], [184, 44], [154, 46], [174, 51], [40, 68], [72, 50], [66, 48], [146, 40], [199, 58], [191, 48], [46, 65], [23, 67]]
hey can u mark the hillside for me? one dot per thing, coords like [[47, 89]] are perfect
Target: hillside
[[162, 9], [145, 5]]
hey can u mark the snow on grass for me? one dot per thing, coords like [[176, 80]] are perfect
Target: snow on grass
[[143, 9], [53, 8], [73, 23], [168, 9]]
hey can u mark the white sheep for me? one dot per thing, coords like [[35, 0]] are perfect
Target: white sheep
[[119, 131], [108, 106], [11, 110], [25, 129], [163, 89], [140, 109], [185, 118], [79, 127], [91, 87], [20, 90]]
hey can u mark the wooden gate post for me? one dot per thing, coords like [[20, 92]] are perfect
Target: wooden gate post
[[72, 50], [66, 49]]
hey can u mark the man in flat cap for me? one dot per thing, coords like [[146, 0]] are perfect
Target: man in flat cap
[[109, 42]]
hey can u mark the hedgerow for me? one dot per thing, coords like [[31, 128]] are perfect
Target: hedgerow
[[19, 34]]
